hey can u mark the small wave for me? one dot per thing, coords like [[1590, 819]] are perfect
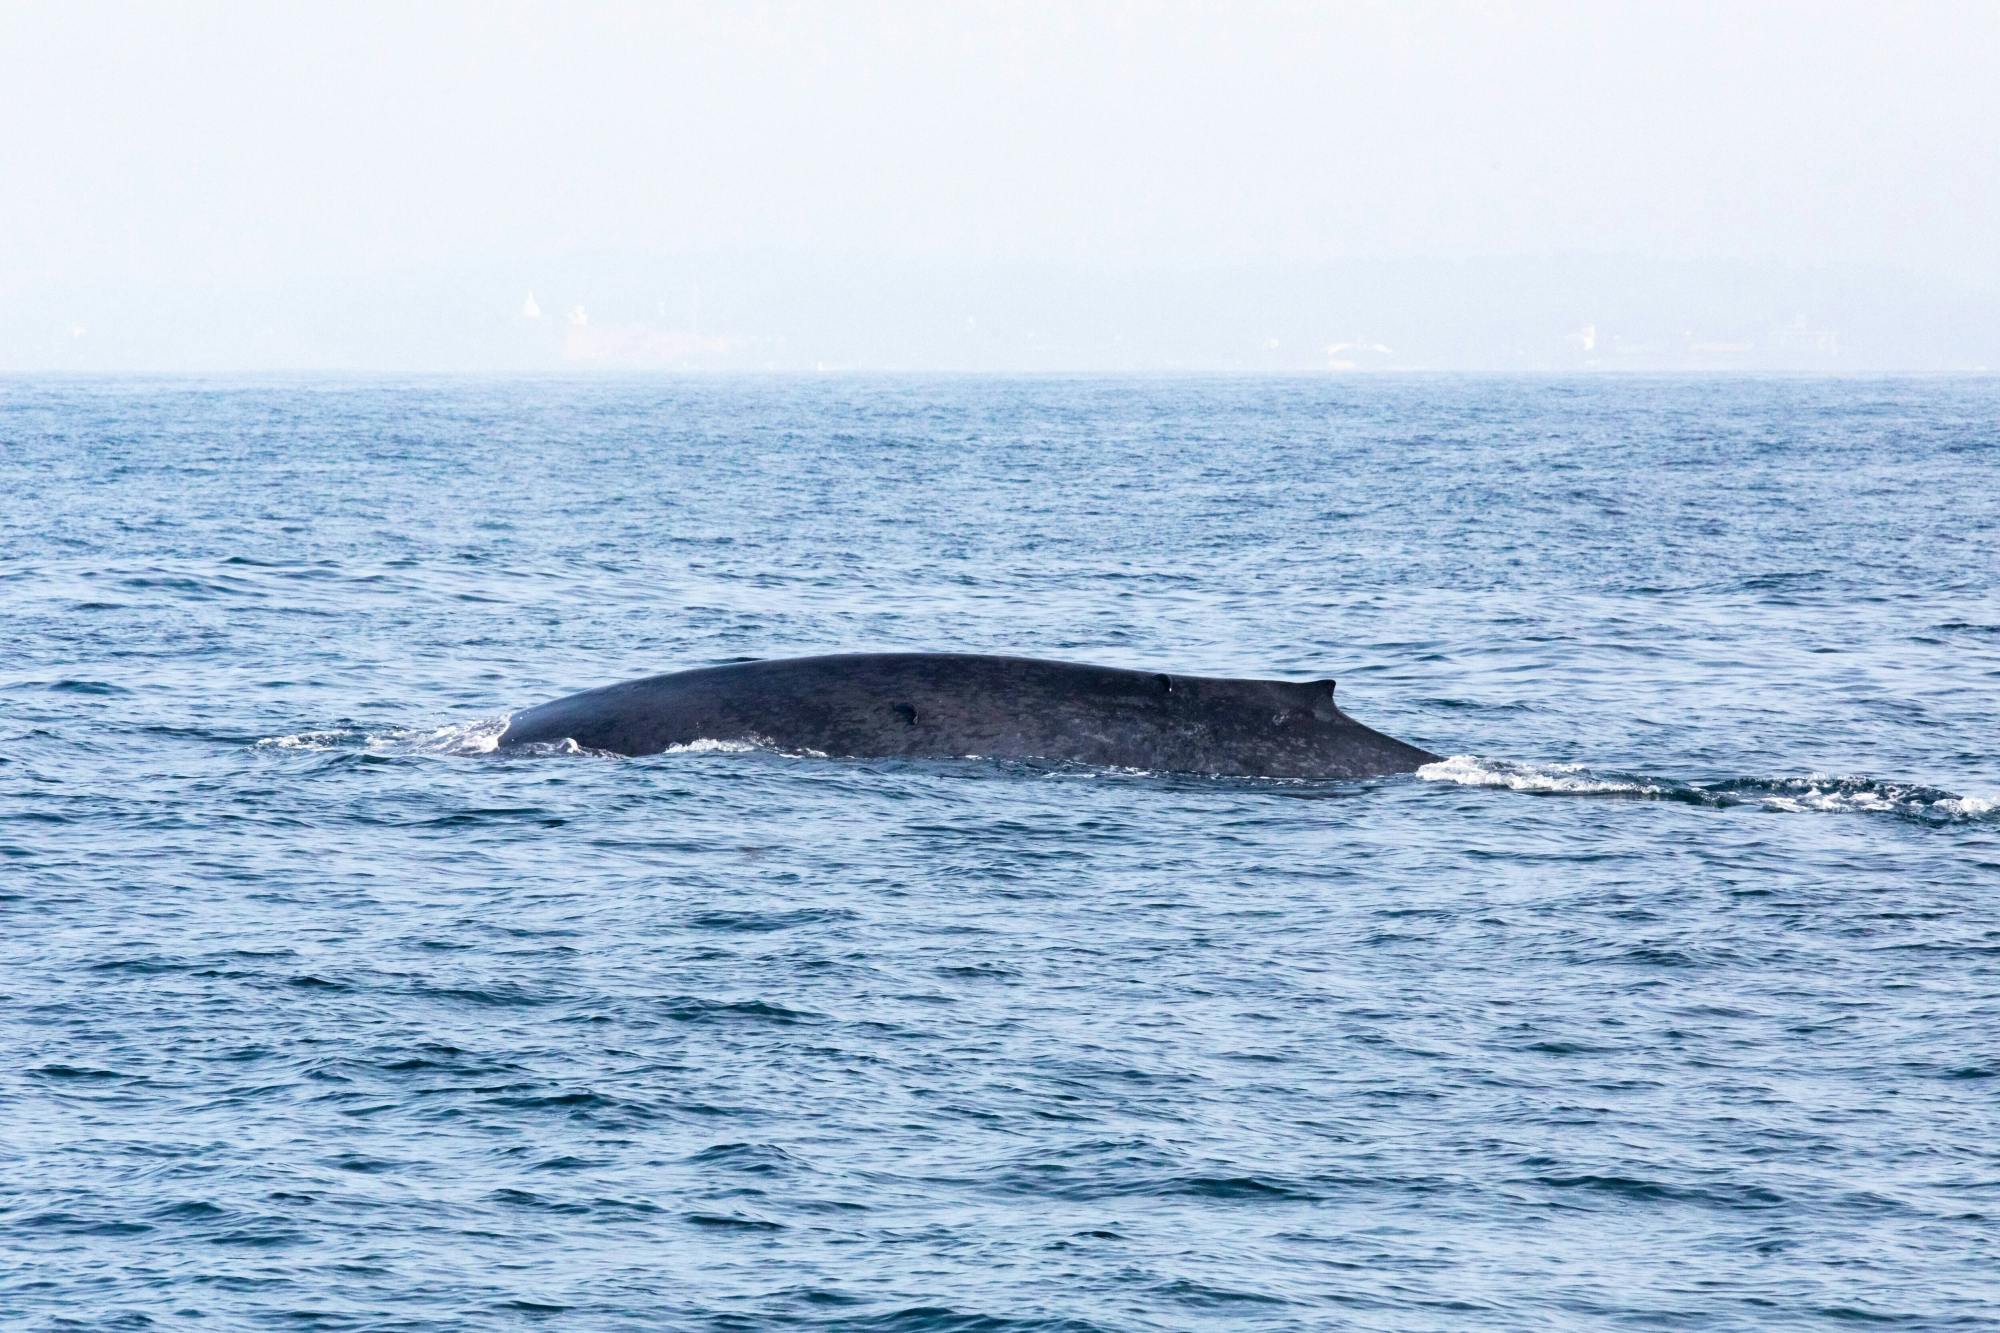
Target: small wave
[[733, 1222], [84, 687], [692, 1009], [1817, 792], [310, 740], [480, 737]]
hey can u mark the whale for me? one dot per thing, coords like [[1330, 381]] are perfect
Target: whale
[[977, 706]]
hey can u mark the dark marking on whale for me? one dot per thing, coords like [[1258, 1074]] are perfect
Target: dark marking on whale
[[964, 705]]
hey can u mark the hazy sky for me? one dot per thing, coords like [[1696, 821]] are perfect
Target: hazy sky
[[998, 186]]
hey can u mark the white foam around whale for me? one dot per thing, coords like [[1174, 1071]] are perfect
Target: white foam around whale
[[1812, 793], [1473, 771], [714, 747], [461, 738]]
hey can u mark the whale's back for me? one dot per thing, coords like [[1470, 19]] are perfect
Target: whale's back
[[944, 705]]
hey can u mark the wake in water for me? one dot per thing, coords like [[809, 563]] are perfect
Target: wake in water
[[1815, 792]]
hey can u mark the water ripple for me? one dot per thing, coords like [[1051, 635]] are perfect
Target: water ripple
[[321, 1011]]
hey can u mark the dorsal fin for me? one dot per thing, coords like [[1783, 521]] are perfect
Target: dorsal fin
[[1318, 696]]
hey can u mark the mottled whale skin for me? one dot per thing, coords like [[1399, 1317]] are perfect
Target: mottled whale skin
[[952, 705]]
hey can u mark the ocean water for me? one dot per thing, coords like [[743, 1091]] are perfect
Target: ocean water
[[1671, 999]]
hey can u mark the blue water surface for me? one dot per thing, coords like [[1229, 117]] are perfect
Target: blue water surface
[[1672, 999]]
